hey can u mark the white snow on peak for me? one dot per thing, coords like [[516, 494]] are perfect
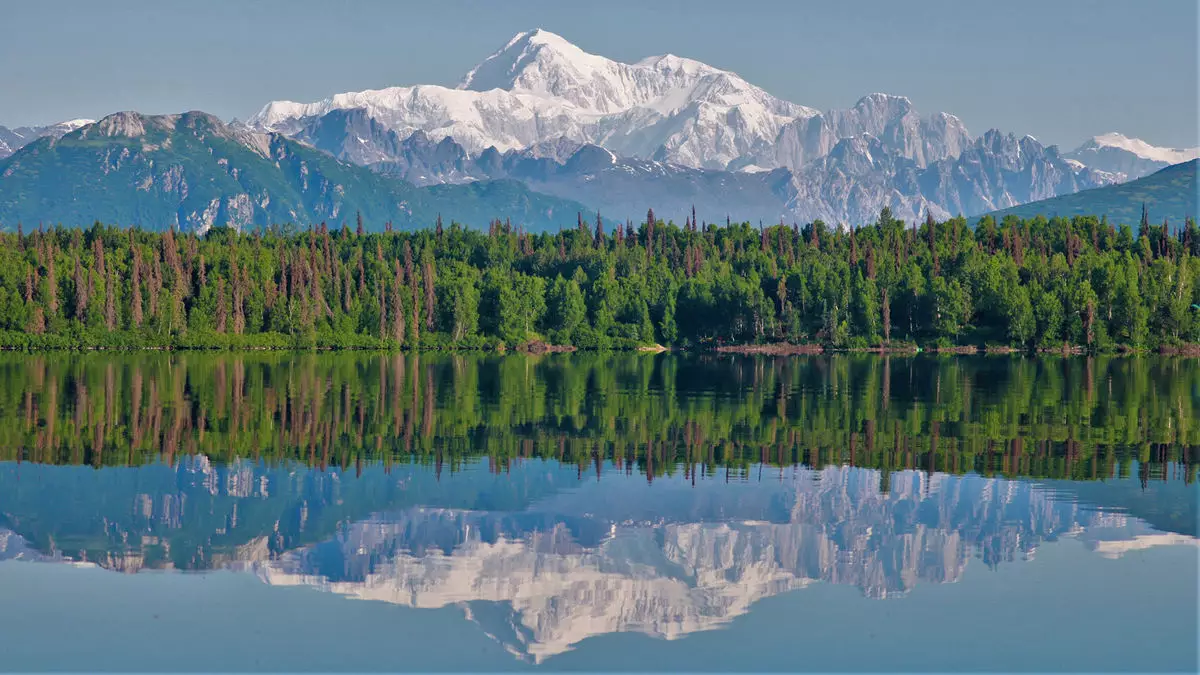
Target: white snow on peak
[[541, 86], [671, 62], [76, 123], [1143, 149], [880, 96], [538, 50]]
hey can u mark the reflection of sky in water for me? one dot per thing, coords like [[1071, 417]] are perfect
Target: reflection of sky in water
[[540, 560]]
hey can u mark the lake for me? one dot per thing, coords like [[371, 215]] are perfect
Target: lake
[[607, 512]]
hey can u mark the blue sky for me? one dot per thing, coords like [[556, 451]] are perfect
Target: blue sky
[[1062, 70]]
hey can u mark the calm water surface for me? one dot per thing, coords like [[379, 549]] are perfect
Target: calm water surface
[[578, 512]]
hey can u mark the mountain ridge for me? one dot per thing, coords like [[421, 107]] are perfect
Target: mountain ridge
[[540, 93], [14, 139], [1169, 193], [680, 133], [193, 171]]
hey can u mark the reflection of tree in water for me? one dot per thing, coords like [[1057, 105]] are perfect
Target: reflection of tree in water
[[1053, 417]]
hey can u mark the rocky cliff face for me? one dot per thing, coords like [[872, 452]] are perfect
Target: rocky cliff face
[[891, 120], [850, 183]]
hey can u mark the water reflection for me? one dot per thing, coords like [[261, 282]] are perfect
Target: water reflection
[[542, 560], [1070, 418], [555, 499], [586, 563]]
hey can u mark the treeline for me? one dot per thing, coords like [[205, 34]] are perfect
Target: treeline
[[1046, 417], [1020, 283]]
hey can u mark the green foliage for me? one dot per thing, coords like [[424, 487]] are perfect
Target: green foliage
[[1021, 283], [267, 453]]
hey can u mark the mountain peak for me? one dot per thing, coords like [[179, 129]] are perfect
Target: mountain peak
[[879, 97], [1141, 148], [888, 104], [127, 123], [545, 37], [506, 68], [677, 64], [72, 125]]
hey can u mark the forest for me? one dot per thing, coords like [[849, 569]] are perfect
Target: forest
[[1080, 283]]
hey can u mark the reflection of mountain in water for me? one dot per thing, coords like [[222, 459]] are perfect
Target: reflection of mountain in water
[[541, 559], [582, 563], [199, 515]]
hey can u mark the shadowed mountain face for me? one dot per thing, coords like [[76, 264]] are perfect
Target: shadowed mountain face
[[851, 181]]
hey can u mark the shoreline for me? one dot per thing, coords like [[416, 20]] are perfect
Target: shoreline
[[538, 348]]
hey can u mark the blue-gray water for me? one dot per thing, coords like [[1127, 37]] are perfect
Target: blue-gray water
[[1077, 555]]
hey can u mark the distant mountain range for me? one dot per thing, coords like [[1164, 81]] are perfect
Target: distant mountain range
[[665, 132], [194, 171], [12, 140], [858, 176], [1169, 193], [1128, 158]]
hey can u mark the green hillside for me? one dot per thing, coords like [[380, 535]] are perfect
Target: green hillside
[[1169, 193], [194, 171]]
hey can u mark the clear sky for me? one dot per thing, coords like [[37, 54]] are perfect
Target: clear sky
[[1061, 70]]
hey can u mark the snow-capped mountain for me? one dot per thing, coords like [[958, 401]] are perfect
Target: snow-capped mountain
[[859, 176], [890, 119], [850, 184], [1128, 158], [676, 133], [12, 140], [540, 86]]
